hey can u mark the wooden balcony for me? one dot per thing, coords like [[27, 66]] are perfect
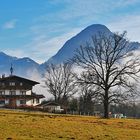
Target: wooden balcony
[[32, 96]]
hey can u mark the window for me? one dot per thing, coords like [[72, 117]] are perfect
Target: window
[[23, 92], [21, 84], [37, 101], [33, 101], [12, 83], [3, 84], [22, 102], [2, 92], [2, 102], [12, 92]]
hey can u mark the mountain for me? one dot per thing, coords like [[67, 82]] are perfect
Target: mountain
[[22, 66], [68, 49], [28, 68]]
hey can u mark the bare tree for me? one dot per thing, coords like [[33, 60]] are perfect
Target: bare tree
[[109, 64], [60, 82], [88, 97]]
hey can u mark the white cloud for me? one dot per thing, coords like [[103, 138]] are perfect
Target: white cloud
[[51, 30], [10, 24], [41, 48], [15, 52], [89, 8], [131, 24]]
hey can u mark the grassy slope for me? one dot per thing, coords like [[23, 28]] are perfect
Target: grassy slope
[[39, 126]]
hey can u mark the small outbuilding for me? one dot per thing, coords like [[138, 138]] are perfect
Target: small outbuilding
[[51, 107]]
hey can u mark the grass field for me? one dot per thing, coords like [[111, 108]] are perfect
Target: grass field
[[40, 126]]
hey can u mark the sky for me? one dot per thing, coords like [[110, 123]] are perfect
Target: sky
[[39, 28]]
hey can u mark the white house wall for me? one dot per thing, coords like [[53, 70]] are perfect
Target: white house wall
[[18, 102], [6, 101], [29, 92], [18, 92], [28, 102]]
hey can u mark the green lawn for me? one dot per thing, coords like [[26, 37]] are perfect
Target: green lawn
[[41, 126]]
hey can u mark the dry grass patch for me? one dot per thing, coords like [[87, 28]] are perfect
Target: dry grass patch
[[42, 126]]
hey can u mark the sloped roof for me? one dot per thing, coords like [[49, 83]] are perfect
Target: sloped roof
[[37, 96], [17, 78], [50, 104]]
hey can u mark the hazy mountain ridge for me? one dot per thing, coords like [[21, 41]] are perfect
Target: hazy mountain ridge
[[25, 66], [21, 66], [68, 49]]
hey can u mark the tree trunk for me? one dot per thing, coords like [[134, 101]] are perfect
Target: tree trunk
[[106, 109], [106, 105]]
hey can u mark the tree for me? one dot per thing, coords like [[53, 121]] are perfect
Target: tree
[[110, 64], [88, 98], [60, 82], [73, 105]]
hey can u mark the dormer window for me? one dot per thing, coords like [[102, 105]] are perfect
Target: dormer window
[[12, 83]]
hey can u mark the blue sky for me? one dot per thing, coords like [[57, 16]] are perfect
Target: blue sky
[[39, 28]]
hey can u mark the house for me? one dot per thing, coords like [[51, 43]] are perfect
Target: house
[[17, 91], [51, 107]]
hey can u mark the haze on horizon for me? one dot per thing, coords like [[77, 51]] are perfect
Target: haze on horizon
[[38, 29]]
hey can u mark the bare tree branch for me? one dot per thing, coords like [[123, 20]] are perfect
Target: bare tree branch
[[108, 65], [60, 82]]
